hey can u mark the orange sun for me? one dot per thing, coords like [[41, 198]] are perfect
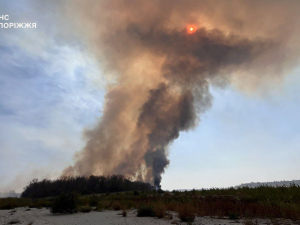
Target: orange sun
[[191, 29]]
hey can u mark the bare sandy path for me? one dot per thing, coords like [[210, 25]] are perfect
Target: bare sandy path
[[27, 216]]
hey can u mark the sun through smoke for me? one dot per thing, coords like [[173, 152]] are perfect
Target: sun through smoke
[[191, 29]]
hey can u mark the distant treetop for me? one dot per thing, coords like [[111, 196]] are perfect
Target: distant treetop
[[82, 185]]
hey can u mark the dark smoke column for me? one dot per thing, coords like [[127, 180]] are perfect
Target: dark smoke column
[[165, 117], [190, 61]]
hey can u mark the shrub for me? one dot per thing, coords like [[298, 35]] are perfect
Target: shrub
[[124, 213], [116, 205], [160, 210], [101, 205], [145, 211], [136, 193], [84, 209], [94, 199], [65, 203], [233, 215], [186, 213]]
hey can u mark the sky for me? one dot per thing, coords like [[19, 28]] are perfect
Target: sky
[[52, 90]]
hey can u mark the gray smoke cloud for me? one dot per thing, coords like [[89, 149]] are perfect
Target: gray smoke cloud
[[159, 73]]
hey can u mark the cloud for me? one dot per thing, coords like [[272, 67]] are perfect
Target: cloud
[[46, 100]]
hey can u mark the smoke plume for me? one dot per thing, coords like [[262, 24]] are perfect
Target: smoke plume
[[159, 73]]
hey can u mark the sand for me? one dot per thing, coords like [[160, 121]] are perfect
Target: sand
[[28, 216]]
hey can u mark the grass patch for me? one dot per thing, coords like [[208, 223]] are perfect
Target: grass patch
[[160, 210], [84, 209]]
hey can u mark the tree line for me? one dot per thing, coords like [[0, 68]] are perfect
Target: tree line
[[82, 185]]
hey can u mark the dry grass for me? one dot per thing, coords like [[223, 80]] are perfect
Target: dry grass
[[262, 202], [84, 209], [160, 210], [186, 213], [116, 205]]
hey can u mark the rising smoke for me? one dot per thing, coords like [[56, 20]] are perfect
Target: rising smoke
[[159, 74]]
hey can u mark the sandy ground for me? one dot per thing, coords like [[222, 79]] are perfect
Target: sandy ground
[[43, 216]]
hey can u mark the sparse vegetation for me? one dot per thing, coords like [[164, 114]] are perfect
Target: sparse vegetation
[[262, 202], [11, 203]]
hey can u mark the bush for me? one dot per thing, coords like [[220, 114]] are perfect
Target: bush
[[84, 209], [102, 205], [65, 203], [136, 193], [146, 211], [94, 199], [116, 205], [186, 213]]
